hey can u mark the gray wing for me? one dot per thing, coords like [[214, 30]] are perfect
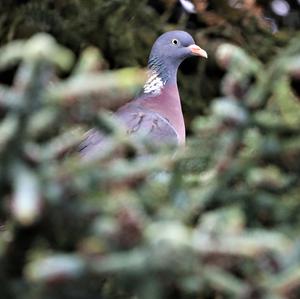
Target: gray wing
[[139, 121], [91, 141], [147, 123]]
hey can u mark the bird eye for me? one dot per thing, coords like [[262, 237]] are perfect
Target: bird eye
[[175, 41]]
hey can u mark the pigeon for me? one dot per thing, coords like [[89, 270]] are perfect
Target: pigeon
[[156, 112]]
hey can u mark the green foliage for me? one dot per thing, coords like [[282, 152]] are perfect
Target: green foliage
[[217, 219]]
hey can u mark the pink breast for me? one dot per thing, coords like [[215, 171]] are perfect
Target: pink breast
[[168, 105]]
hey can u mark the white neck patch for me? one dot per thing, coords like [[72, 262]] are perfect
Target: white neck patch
[[154, 84]]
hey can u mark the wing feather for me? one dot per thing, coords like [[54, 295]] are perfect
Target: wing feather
[[138, 121]]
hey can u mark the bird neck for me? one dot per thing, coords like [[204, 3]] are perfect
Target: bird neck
[[160, 94], [160, 75]]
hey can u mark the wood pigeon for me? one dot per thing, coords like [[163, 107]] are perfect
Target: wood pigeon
[[156, 112]]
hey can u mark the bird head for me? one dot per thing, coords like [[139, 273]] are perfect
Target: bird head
[[174, 46], [167, 53]]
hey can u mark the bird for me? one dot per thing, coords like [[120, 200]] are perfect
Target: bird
[[156, 111]]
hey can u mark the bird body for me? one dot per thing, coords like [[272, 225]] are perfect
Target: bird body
[[156, 112], [167, 104]]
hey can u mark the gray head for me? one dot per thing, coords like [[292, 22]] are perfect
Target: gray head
[[174, 46], [169, 50]]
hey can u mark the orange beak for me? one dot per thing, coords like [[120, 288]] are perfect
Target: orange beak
[[196, 50]]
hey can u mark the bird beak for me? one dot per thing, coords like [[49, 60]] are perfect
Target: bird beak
[[196, 50]]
